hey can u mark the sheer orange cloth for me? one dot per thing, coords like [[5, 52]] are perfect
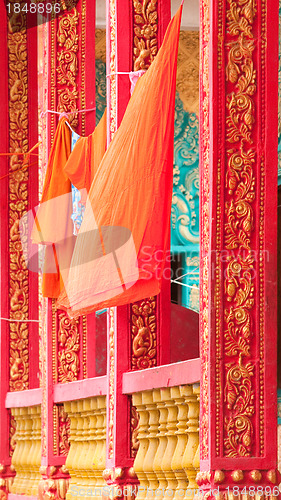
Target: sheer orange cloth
[[119, 255], [86, 157], [51, 222]]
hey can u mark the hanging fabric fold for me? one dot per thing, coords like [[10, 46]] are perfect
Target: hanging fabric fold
[[53, 225], [121, 247]]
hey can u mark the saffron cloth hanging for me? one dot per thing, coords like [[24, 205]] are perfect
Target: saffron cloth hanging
[[120, 249]]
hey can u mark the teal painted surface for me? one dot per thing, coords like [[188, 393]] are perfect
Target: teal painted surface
[[185, 204], [100, 90]]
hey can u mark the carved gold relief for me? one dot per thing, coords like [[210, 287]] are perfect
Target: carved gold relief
[[111, 383], [145, 33], [63, 431], [144, 338], [134, 431], [12, 434], [18, 200], [188, 70], [240, 222], [113, 97], [68, 348], [67, 64], [204, 421], [239, 397]]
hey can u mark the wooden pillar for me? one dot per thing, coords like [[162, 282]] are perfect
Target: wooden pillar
[[238, 98], [134, 34]]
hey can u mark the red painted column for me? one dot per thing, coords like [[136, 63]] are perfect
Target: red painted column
[[68, 346], [125, 52], [238, 98], [5, 459], [19, 363]]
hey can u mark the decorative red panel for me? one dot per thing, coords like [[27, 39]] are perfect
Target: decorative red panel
[[239, 43]]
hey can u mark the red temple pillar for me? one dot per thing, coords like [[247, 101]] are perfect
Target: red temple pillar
[[68, 86], [238, 98], [134, 34], [18, 192]]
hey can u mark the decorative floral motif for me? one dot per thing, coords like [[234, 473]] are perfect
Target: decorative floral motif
[[67, 64], [68, 348], [18, 201], [239, 397], [12, 434], [239, 226], [63, 431], [111, 383], [143, 321], [145, 33], [134, 431]]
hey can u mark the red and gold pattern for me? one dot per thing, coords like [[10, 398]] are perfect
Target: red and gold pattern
[[239, 291], [12, 434], [122, 482], [145, 33], [111, 383], [144, 335], [63, 431], [67, 64], [54, 483], [68, 348], [112, 83], [134, 431], [18, 201], [205, 200]]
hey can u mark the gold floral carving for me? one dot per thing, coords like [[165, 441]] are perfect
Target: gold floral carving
[[144, 336], [239, 397], [68, 348], [54, 483], [12, 434], [145, 33], [188, 70], [63, 431], [18, 201], [241, 187], [239, 226], [67, 64], [113, 96], [111, 383], [205, 236], [204, 436], [134, 431]]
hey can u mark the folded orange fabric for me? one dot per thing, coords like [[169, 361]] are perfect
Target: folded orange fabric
[[86, 157], [120, 250]]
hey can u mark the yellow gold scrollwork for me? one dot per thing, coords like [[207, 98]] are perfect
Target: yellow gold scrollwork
[[145, 33], [18, 201], [68, 348]]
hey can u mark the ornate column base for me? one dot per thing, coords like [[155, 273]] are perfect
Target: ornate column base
[[7, 475], [54, 483], [238, 484], [122, 483]]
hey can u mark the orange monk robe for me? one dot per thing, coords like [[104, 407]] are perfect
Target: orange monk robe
[[86, 157], [53, 219], [132, 192]]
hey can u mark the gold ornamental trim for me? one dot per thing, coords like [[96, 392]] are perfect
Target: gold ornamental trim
[[18, 201]]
